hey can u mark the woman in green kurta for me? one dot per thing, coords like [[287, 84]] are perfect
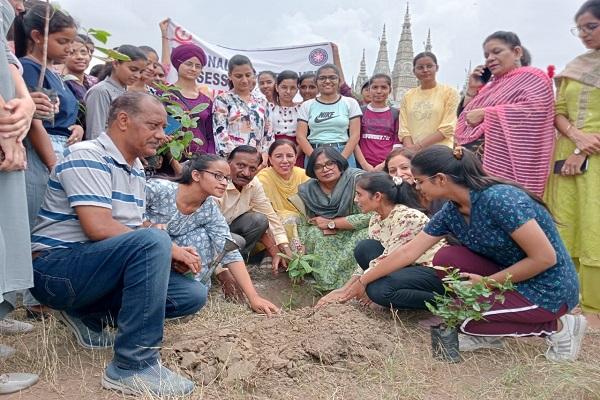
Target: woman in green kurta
[[335, 224], [573, 195]]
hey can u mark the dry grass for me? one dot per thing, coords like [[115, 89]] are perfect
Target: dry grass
[[405, 371]]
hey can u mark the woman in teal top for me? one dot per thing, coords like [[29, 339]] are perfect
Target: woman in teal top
[[505, 232], [330, 120]]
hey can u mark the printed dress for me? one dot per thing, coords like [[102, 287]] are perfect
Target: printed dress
[[205, 229], [237, 122], [335, 253], [400, 227]]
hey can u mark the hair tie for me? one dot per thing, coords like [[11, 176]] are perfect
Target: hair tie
[[397, 180], [458, 152]]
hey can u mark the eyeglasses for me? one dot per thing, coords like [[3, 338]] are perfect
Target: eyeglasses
[[218, 176], [587, 28], [328, 164], [332, 78], [425, 67], [419, 182], [194, 65]]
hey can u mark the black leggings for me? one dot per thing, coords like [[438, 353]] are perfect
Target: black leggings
[[407, 288]]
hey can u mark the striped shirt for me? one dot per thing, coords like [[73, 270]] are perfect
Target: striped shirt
[[92, 173], [518, 127]]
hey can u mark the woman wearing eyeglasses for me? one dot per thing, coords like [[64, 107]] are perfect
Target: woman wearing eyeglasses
[[505, 232], [427, 112], [186, 210], [335, 223], [512, 115], [333, 119], [573, 193]]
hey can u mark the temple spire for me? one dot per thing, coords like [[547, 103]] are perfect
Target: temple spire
[[382, 64], [428, 43], [362, 75], [402, 75]]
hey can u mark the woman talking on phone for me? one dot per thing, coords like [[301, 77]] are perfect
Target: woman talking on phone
[[509, 121], [572, 191]]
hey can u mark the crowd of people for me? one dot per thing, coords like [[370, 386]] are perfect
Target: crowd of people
[[501, 182]]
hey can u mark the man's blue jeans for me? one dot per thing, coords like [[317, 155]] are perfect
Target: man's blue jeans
[[127, 278]]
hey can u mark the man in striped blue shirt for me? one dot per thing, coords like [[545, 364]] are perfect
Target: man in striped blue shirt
[[95, 262]]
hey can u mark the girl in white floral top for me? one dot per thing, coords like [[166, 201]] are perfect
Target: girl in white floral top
[[284, 112], [241, 116], [398, 219]]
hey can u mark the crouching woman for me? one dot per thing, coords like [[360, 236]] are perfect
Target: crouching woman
[[505, 232], [191, 216], [398, 218]]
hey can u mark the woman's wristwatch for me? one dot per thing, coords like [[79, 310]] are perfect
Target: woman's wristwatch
[[331, 224], [577, 151]]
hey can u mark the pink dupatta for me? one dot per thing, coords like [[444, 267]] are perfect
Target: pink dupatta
[[518, 128]]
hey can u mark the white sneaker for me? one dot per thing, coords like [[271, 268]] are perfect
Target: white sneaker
[[10, 383], [14, 327], [565, 344], [472, 343], [6, 351]]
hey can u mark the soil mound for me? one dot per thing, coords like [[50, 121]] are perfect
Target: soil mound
[[258, 349]]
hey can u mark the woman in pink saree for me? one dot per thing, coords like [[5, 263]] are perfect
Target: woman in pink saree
[[509, 121]]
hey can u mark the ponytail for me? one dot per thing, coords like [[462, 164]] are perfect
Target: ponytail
[[463, 167], [394, 190]]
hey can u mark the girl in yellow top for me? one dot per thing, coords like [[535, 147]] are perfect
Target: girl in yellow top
[[573, 195], [428, 112], [280, 182]]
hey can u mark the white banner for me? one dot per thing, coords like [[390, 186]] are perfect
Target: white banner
[[301, 59]]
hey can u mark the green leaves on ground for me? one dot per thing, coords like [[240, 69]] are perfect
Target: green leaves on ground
[[299, 265], [463, 300]]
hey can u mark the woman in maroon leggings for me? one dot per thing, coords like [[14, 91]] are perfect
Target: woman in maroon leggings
[[504, 231]]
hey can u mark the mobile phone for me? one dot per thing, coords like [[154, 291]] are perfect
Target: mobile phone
[[559, 164], [486, 75]]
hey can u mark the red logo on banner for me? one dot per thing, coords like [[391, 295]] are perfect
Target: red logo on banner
[[182, 36]]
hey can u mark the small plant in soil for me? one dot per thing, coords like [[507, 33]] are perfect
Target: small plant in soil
[[461, 300], [299, 266]]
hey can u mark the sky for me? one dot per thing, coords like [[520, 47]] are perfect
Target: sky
[[458, 27]]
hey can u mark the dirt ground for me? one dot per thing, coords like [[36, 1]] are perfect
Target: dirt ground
[[339, 352]]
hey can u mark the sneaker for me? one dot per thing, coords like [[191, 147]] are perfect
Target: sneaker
[[156, 379], [85, 336], [14, 327], [472, 343], [565, 344], [10, 383], [6, 351]]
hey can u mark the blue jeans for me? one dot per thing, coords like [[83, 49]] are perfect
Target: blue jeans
[[339, 148], [127, 279]]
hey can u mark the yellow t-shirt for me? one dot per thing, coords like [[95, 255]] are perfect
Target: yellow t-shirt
[[424, 112]]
